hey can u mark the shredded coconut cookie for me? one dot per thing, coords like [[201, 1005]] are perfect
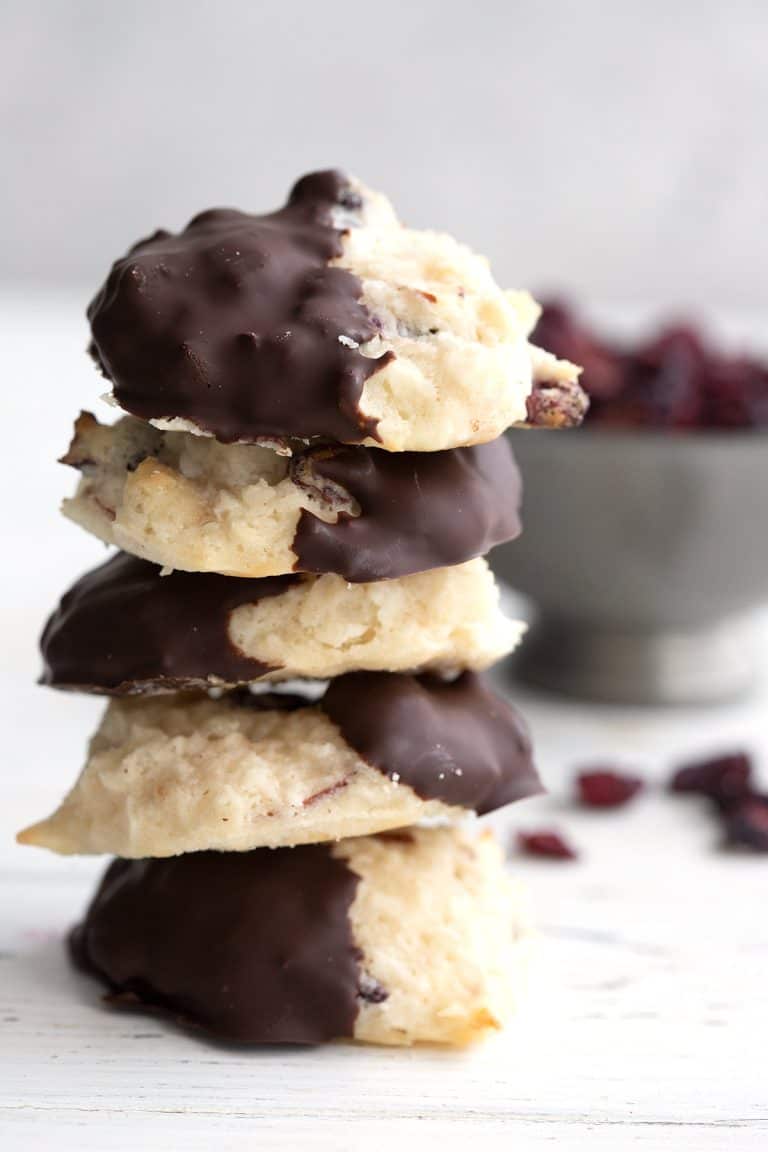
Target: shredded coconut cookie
[[166, 775], [441, 930], [445, 619], [462, 367]]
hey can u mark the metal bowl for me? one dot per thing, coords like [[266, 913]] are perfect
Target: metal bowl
[[646, 555]]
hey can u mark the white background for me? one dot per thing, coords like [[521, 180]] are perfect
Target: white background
[[615, 147]]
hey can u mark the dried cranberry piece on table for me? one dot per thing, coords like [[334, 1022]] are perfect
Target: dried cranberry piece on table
[[746, 824], [546, 842], [606, 788], [725, 779]]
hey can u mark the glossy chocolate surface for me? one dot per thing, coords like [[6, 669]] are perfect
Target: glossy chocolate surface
[[253, 947], [240, 324], [418, 510], [124, 628], [450, 740]]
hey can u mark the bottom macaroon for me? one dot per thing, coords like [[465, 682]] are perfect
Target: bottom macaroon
[[402, 938]]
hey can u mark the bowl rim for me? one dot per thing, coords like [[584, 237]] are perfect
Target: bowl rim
[[687, 436]]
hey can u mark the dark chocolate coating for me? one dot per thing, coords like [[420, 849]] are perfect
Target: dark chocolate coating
[[234, 323], [419, 510], [124, 628], [252, 947], [454, 741]]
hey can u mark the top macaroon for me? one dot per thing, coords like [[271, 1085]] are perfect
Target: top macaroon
[[326, 319]]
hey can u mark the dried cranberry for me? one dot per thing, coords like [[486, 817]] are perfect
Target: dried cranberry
[[604, 788], [558, 332], [674, 380], [556, 405], [746, 824], [725, 779], [370, 990], [545, 842]]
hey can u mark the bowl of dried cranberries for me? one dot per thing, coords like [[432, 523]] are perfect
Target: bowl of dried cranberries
[[645, 543]]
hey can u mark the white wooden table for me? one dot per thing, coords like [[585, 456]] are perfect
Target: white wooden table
[[645, 1022]]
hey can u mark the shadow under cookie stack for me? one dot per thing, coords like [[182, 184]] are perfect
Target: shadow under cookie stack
[[308, 471]]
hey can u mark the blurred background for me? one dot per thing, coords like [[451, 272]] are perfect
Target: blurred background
[[616, 151]]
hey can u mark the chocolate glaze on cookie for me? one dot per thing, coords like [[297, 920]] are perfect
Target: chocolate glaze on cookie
[[240, 325], [453, 741], [124, 628], [252, 947], [418, 510]]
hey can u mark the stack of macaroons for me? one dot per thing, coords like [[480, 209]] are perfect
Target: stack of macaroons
[[307, 475]]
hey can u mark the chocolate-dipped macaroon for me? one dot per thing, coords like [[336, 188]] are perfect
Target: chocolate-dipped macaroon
[[124, 628], [353, 940], [189, 502], [325, 319], [171, 774]]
